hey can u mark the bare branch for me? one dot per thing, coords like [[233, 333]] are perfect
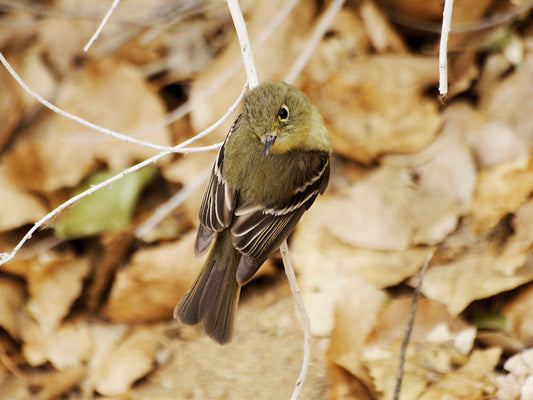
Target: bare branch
[[73, 117], [409, 328], [101, 26], [246, 49], [443, 49], [181, 148], [304, 318]]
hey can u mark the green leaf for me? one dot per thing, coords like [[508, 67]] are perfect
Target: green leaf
[[107, 210]]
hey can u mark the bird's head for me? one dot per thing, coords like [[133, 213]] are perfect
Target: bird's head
[[283, 119]]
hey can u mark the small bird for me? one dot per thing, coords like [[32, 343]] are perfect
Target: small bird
[[270, 169]]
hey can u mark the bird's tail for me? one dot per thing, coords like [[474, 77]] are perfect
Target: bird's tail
[[214, 295]]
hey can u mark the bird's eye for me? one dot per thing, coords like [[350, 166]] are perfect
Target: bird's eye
[[283, 113]]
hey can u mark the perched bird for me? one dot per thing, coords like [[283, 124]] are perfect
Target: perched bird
[[270, 169]]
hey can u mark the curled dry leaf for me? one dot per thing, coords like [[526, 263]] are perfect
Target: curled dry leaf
[[129, 361], [151, 285], [18, 206], [478, 265], [11, 300], [375, 104], [56, 152]]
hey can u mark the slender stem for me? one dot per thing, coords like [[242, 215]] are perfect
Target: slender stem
[[101, 26], [244, 41], [304, 318], [73, 117], [409, 328], [443, 49]]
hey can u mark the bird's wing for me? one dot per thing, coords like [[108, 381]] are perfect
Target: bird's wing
[[218, 203], [258, 230]]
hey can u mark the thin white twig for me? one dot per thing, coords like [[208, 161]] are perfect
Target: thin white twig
[[73, 117], [443, 48], [101, 26], [409, 327], [5, 257], [304, 318], [244, 41], [230, 111], [313, 41], [181, 148], [164, 210]]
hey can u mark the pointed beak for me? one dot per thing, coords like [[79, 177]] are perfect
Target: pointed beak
[[270, 139]]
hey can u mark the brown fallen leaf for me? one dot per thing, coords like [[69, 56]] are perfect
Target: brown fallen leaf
[[476, 265], [345, 387], [438, 344], [519, 316], [501, 190], [326, 266], [69, 347], [18, 206], [129, 361], [506, 97], [55, 152], [375, 104], [104, 340], [409, 200], [51, 385], [53, 286], [472, 381], [150, 286], [35, 72], [10, 107], [12, 298], [356, 313]]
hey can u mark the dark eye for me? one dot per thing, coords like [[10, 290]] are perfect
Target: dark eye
[[283, 113]]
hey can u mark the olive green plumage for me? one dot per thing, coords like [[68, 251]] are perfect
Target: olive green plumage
[[271, 168]]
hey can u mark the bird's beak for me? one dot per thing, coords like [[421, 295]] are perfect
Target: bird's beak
[[270, 139]]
